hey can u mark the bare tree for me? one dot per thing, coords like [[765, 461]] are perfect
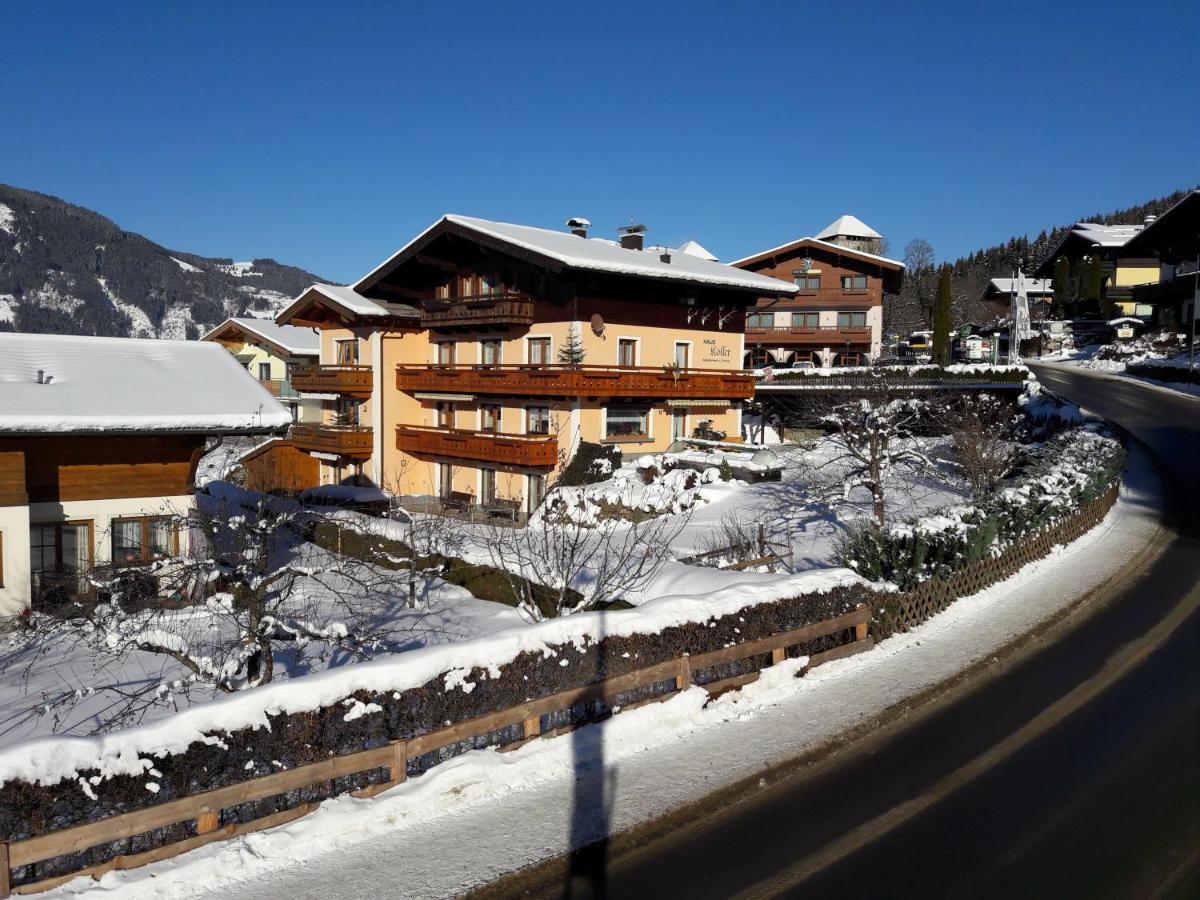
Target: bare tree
[[871, 441], [982, 442], [559, 564], [246, 588], [919, 276]]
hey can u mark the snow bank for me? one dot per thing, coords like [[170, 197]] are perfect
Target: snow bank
[[129, 752]]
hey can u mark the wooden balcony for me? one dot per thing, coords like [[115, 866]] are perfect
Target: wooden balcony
[[816, 335], [353, 441], [486, 446], [643, 382], [833, 295], [484, 311], [280, 388], [353, 381]]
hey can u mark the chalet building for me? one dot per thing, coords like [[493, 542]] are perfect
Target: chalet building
[[99, 441], [1120, 267], [1174, 238], [836, 315], [269, 352], [471, 363], [998, 296]]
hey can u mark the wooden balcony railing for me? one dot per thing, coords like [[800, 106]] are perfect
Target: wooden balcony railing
[[645, 382], [487, 446], [354, 381], [474, 312], [811, 334], [835, 294], [353, 441], [279, 387]]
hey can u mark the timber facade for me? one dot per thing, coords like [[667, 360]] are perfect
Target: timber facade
[[485, 362]]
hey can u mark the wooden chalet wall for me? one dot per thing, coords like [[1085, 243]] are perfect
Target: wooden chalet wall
[[59, 469], [279, 466], [12, 478]]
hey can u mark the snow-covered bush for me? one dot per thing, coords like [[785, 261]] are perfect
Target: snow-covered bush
[[1067, 472], [591, 463]]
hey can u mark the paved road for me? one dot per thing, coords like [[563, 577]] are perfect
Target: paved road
[[1075, 773]]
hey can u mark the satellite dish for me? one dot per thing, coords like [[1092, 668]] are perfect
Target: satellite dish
[[597, 324]]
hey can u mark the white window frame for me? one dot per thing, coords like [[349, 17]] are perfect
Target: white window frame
[[691, 359], [549, 417], [604, 424]]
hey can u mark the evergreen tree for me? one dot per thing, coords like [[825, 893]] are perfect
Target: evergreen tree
[[1062, 285], [941, 317], [1089, 291], [572, 353]]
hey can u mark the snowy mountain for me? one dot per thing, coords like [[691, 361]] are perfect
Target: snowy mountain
[[67, 270]]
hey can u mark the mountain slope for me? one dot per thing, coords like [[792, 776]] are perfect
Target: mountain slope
[[68, 270]]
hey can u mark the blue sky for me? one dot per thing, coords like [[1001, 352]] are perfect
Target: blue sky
[[327, 134]]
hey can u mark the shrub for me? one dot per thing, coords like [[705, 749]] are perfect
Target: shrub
[[591, 463]]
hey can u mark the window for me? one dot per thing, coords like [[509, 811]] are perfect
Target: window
[[141, 539], [59, 555], [489, 417], [489, 485], [808, 284], [683, 354], [489, 353], [539, 351], [627, 423], [347, 352], [760, 320], [854, 282], [537, 420], [852, 319], [345, 411], [806, 320], [446, 353], [537, 491], [445, 415], [626, 352], [678, 424], [264, 371], [490, 284]]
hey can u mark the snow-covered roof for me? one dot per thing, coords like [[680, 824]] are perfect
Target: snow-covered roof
[[289, 338], [350, 301], [1032, 285], [592, 254], [848, 226], [695, 248], [836, 248], [128, 385], [1106, 235]]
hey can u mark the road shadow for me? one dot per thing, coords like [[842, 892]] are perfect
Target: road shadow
[[592, 800]]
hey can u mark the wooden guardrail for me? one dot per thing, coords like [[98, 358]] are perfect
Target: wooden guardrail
[[203, 811]]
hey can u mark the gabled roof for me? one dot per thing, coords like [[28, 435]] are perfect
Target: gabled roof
[[799, 243], [1178, 225], [287, 340], [561, 248], [695, 248], [128, 385], [1032, 285], [348, 303], [1087, 235], [848, 226]]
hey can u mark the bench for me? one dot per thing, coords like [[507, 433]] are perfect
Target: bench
[[457, 500], [509, 509]]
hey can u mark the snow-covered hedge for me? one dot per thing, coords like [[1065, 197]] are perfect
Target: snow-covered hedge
[[901, 374], [1067, 472]]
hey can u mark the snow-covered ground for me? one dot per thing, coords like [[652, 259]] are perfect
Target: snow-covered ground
[[485, 813], [1132, 354]]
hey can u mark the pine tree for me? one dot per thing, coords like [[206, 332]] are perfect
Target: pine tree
[[941, 318], [1062, 285], [572, 353]]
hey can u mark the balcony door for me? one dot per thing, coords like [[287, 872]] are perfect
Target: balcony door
[[445, 415], [489, 417], [489, 352], [446, 353], [535, 493], [346, 352], [683, 355], [60, 555], [627, 353], [678, 424]]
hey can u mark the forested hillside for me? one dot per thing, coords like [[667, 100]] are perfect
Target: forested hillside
[[68, 270]]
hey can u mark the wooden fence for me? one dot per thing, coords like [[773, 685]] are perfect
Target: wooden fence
[[204, 811]]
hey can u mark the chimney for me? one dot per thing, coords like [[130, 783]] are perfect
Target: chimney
[[665, 256], [632, 236], [1150, 220], [579, 226], [41, 376]]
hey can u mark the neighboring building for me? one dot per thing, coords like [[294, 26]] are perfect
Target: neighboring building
[[451, 361], [1174, 238], [270, 352], [836, 315], [99, 441], [1120, 268], [999, 293]]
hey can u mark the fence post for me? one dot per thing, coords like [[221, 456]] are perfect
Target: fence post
[[778, 655], [533, 726], [398, 770], [5, 884], [684, 678], [860, 630], [208, 821]]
